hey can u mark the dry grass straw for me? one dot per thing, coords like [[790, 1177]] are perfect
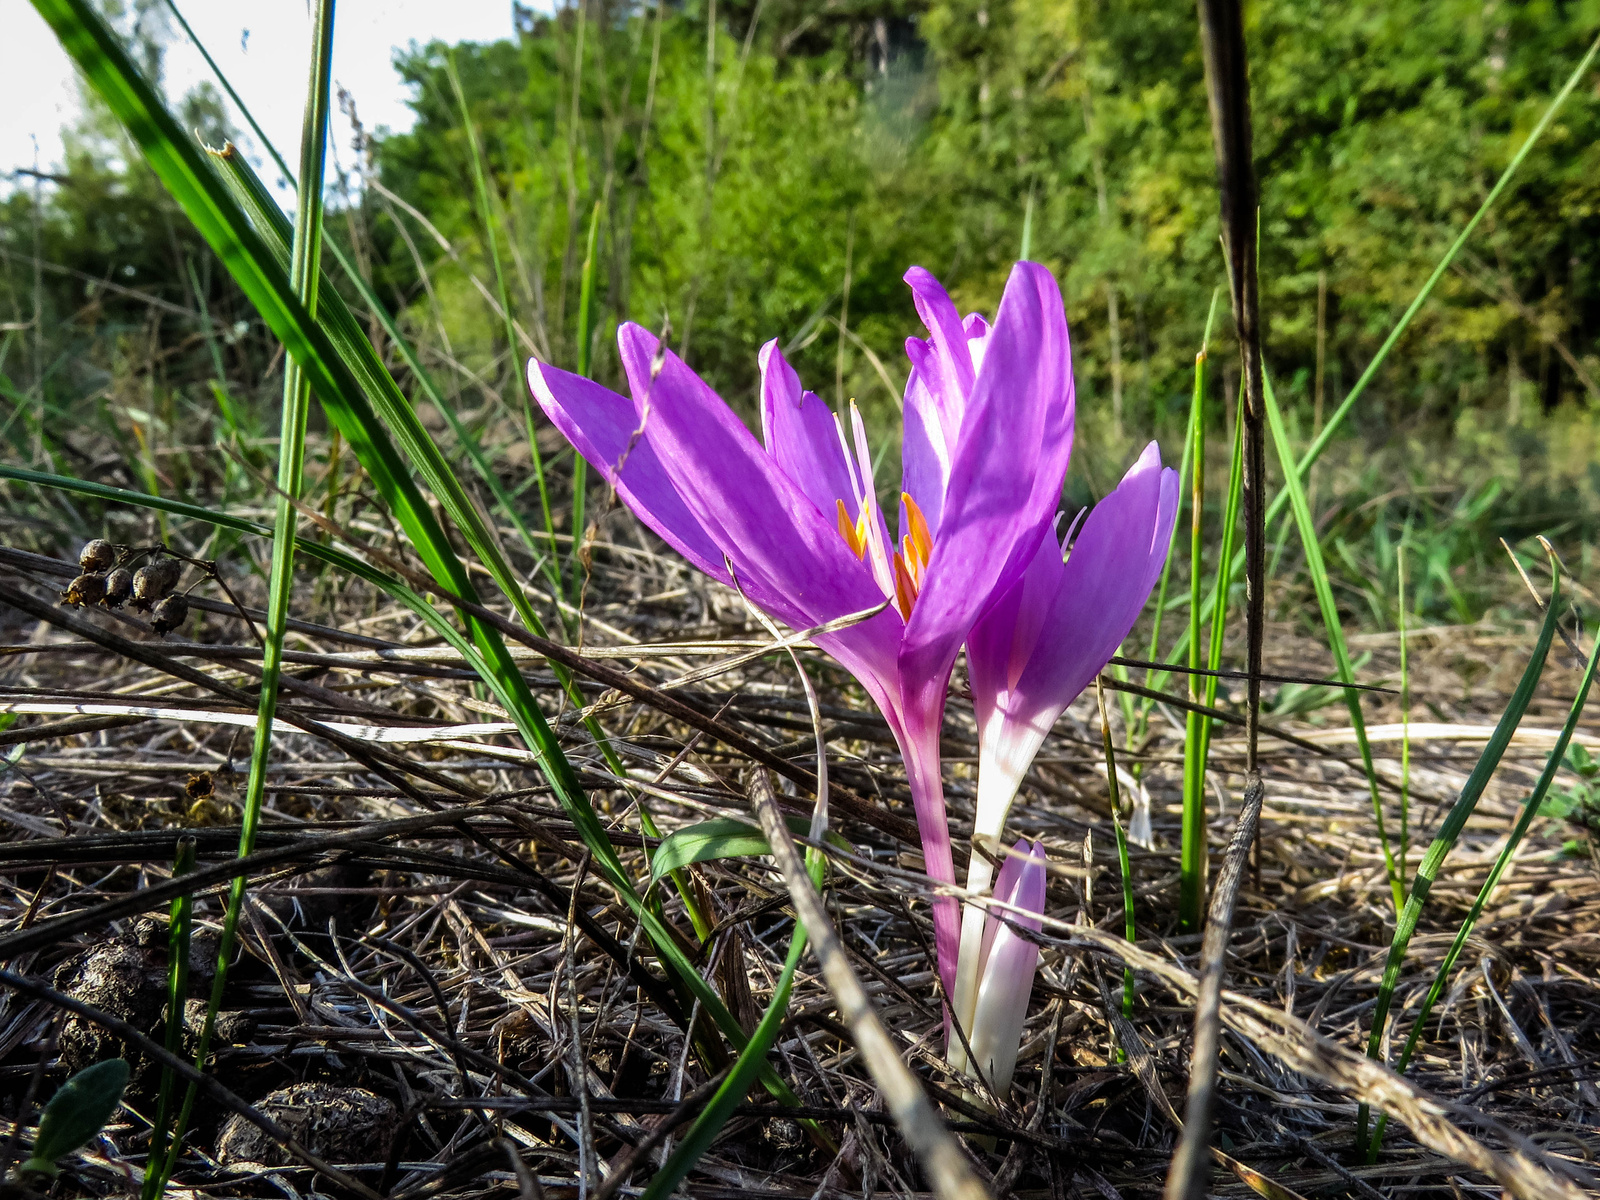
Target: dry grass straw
[[507, 957]]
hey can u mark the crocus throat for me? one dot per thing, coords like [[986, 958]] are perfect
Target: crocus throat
[[908, 566], [911, 560]]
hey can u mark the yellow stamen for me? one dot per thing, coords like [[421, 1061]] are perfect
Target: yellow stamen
[[853, 532], [905, 592], [919, 535], [907, 557]]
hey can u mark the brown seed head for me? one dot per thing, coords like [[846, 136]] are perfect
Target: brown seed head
[[152, 582], [85, 589], [119, 586], [97, 555], [168, 613]]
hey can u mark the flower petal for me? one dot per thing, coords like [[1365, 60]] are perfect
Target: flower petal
[[802, 435], [790, 559], [1008, 968], [604, 427], [1107, 579], [946, 364], [924, 452], [995, 506]]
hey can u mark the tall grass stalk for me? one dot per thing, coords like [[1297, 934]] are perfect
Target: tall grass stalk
[[179, 926], [1332, 625], [1192, 847], [1158, 679], [1405, 722], [1530, 810], [1302, 468], [343, 378], [397, 340], [480, 184], [1444, 841], [305, 274], [1129, 929], [580, 468]]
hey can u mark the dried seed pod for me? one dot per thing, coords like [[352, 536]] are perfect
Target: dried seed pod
[[85, 589], [119, 586], [152, 582], [169, 613], [97, 555]]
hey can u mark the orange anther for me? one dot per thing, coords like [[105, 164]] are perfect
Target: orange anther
[[918, 535], [855, 536], [905, 592]]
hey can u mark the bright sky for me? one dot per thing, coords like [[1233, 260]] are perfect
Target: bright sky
[[263, 46]]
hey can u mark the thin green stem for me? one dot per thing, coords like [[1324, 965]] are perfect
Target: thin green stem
[[480, 183], [304, 275], [180, 923], [1192, 847], [1332, 626], [1530, 810], [745, 1068], [1455, 821], [1129, 929], [580, 468]]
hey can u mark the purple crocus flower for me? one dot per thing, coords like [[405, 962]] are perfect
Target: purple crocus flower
[[1005, 964], [988, 432], [1039, 644]]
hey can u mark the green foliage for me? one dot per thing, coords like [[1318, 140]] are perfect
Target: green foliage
[[79, 1110], [720, 837], [776, 179], [1367, 171], [1578, 804]]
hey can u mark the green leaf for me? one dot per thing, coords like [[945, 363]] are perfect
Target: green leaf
[[1581, 761], [1535, 805], [722, 837], [1331, 622], [1444, 841], [78, 1111], [750, 1061]]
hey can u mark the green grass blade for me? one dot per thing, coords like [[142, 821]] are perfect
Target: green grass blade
[[1302, 468], [397, 339], [1193, 431], [1444, 841], [683, 970], [1320, 443], [721, 837], [1331, 623], [480, 183], [745, 1068], [305, 275], [417, 518], [1114, 791], [1529, 811], [1222, 585], [179, 925], [1192, 844], [580, 468]]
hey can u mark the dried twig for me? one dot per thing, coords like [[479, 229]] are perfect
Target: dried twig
[[947, 1168]]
